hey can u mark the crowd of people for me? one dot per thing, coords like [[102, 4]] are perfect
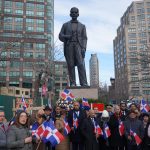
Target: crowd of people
[[116, 128]]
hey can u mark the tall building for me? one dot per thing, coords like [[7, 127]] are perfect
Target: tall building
[[132, 52], [26, 41], [94, 71]]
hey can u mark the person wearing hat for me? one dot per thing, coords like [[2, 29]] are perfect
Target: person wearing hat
[[47, 112], [133, 124], [104, 141], [146, 139]]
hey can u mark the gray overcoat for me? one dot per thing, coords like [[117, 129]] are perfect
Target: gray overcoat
[[16, 138]]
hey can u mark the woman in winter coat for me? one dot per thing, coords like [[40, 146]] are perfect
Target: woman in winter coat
[[18, 136]]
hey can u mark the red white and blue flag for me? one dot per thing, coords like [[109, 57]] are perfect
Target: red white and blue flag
[[67, 95], [136, 137], [97, 129], [106, 132], [85, 104], [144, 106], [67, 128], [34, 128], [52, 135], [24, 105], [121, 128], [75, 121], [40, 130]]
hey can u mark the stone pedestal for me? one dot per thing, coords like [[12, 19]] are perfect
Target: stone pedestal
[[86, 92]]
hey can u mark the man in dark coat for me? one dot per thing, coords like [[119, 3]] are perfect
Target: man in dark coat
[[133, 124], [3, 128], [73, 34], [75, 120], [117, 139], [88, 130]]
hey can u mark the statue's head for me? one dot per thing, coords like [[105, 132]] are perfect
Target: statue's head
[[74, 13]]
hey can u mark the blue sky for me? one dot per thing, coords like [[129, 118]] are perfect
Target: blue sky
[[101, 18]]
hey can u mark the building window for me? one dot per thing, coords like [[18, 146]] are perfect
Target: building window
[[14, 83], [132, 35], [3, 63], [133, 48], [39, 55], [18, 12], [28, 55], [40, 46], [27, 64], [14, 74], [2, 74], [147, 92], [14, 54], [28, 46], [132, 30], [27, 74], [29, 12], [15, 64], [19, 5], [140, 10], [132, 41]]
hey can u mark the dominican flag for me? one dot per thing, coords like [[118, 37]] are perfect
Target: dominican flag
[[34, 128], [75, 121], [70, 97], [52, 135], [97, 129], [64, 94], [67, 128], [67, 95], [144, 106], [136, 137], [40, 130], [85, 104], [121, 128], [24, 105], [106, 131]]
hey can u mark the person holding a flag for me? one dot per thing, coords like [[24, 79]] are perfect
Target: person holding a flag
[[3, 129], [117, 138], [134, 131], [104, 143], [62, 126], [91, 131], [18, 135], [75, 119], [37, 142]]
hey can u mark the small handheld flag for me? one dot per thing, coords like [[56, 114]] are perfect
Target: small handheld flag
[[136, 137], [24, 105], [144, 106], [121, 128]]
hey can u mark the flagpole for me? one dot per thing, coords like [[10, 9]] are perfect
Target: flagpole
[[38, 144]]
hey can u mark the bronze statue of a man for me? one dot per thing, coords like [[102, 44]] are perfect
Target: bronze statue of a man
[[73, 34]]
